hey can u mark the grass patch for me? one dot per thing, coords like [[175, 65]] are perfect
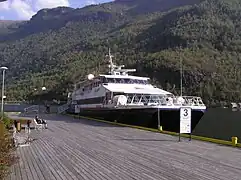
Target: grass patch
[[6, 147]]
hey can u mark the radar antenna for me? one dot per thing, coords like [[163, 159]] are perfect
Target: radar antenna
[[116, 70], [111, 65], [110, 58]]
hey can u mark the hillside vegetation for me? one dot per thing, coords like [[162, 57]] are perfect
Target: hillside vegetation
[[60, 46], [6, 148]]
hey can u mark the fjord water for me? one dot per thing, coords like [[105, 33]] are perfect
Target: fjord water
[[220, 123]]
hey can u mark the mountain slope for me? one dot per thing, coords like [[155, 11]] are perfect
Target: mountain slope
[[6, 27], [60, 46]]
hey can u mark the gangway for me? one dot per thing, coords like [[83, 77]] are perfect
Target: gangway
[[63, 108], [33, 108]]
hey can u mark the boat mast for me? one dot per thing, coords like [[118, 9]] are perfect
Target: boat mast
[[111, 65], [117, 69], [181, 75]]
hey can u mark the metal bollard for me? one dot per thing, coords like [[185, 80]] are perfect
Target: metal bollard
[[234, 141], [160, 128], [18, 126]]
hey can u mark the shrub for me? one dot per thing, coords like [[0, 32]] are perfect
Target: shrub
[[7, 121], [6, 147]]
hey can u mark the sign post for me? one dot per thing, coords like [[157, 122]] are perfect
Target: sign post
[[185, 121], [158, 114]]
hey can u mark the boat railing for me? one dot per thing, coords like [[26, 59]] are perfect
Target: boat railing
[[192, 101], [165, 100]]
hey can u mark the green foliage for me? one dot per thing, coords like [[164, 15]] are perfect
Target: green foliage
[[6, 121], [7, 27], [6, 145], [60, 46]]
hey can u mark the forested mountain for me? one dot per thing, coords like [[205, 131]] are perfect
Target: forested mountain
[[8, 26], [60, 46]]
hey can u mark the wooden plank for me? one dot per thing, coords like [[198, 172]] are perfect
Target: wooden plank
[[17, 168], [22, 164], [137, 173], [50, 161], [82, 149], [55, 159], [108, 165], [31, 165], [90, 168], [27, 164], [79, 150], [80, 165], [35, 154]]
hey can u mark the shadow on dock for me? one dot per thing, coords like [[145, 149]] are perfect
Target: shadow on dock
[[65, 118]]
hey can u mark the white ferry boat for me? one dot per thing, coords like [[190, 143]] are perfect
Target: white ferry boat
[[124, 98]]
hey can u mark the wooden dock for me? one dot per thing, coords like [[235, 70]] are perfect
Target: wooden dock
[[84, 149]]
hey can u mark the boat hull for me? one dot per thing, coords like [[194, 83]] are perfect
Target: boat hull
[[146, 117]]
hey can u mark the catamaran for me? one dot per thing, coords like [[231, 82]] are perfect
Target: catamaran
[[119, 96]]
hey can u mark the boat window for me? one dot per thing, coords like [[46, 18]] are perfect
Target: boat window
[[117, 80], [87, 87], [122, 81], [125, 81], [110, 80], [104, 80], [108, 96], [131, 81], [117, 93]]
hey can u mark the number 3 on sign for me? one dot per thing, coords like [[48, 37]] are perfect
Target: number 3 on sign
[[185, 120], [185, 113]]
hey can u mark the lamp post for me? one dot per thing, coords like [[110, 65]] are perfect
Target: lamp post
[[43, 88], [3, 69]]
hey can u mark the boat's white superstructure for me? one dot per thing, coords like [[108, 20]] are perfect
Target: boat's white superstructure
[[125, 98], [119, 90]]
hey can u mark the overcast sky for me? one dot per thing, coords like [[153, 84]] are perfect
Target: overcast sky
[[25, 9]]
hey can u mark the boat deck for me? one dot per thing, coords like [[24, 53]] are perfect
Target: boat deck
[[83, 149]]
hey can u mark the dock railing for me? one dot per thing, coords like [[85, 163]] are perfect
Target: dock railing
[[33, 108], [63, 108]]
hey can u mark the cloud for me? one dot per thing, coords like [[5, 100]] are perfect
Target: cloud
[[88, 2], [81, 3], [25, 9], [4, 6], [40, 4], [22, 9]]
